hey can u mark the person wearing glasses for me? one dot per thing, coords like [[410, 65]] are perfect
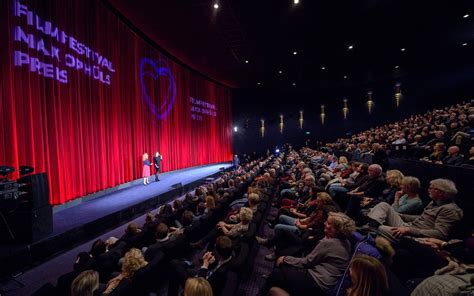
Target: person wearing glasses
[[436, 221]]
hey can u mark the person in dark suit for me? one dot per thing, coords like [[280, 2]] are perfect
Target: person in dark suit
[[157, 163], [214, 268]]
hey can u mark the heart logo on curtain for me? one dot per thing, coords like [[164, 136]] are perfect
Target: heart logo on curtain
[[158, 71]]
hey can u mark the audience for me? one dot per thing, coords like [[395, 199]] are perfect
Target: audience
[[85, 283], [197, 287], [437, 219]]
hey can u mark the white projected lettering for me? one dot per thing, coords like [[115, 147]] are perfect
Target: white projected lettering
[[47, 41], [200, 108]]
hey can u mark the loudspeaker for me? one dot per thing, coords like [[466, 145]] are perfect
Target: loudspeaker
[[37, 190], [31, 225]]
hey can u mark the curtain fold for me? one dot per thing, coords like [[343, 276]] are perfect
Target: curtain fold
[[89, 135]]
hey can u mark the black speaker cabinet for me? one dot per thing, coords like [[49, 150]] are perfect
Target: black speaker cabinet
[[31, 225], [37, 190]]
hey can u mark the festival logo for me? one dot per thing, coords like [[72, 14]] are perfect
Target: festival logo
[[155, 70]]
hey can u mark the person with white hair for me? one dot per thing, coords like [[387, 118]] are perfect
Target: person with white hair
[[437, 219]]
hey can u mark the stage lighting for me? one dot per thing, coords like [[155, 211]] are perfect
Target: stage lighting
[[216, 6], [25, 170], [323, 68], [295, 53], [277, 151], [464, 44], [236, 129], [6, 170], [280, 72], [466, 16], [296, 1], [246, 61], [403, 49], [350, 47]]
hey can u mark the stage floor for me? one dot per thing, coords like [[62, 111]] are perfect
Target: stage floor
[[94, 209]]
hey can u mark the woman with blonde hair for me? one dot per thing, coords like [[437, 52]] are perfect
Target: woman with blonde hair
[[133, 261], [197, 287], [85, 283], [407, 200], [368, 276], [146, 169]]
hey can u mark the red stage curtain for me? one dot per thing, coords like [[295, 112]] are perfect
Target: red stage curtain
[[87, 134]]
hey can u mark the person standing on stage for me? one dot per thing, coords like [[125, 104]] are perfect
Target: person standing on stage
[[157, 160], [146, 169]]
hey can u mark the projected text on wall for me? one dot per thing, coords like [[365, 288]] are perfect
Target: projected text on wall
[[48, 42]]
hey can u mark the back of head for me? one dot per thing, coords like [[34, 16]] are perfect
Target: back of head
[[187, 218], [224, 247], [197, 287], [161, 231], [369, 277], [132, 261], [85, 283], [98, 247]]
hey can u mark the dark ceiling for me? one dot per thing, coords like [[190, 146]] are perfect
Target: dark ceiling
[[216, 42]]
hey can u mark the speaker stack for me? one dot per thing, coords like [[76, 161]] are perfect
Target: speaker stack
[[33, 219]]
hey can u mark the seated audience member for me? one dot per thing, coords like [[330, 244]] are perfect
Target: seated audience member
[[401, 140], [132, 235], [437, 219], [132, 262], [368, 277], [424, 257], [149, 229], [446, 285], [232, 231], [438, 153], [371, 188], [469, 163], [197, 287], [287, 238], [214, 268], [394, 180], [318, 272], [163, 237], [357, 178], [453, 158], [106, 256], [85, 283], [407, 200]]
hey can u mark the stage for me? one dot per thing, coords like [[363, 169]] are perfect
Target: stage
[[84, 219]]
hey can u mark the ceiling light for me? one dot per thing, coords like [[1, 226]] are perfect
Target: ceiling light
[[280, 72], [466, 16], [295, 53], [246, 61], [216, 6], [323, 68], [403, 49], [296, 1], [350, 47], [464, 44], [397, 66]]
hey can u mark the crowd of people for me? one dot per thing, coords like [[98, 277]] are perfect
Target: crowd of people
[[352, 228], [442, 136], [340, 226]]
